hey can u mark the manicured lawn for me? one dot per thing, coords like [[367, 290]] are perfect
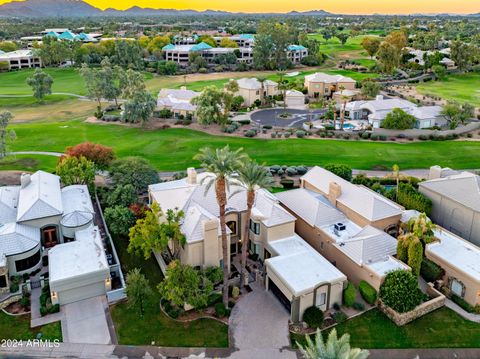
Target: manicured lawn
[[18, 327], [173, 149], [442, 328], [154, 326], [333, 46], [29, 163], [461, 88], [14, 103]]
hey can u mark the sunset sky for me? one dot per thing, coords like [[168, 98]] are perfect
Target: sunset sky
[[335, 6]]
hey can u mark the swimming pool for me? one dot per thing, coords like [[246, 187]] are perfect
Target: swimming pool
[[348, 126]]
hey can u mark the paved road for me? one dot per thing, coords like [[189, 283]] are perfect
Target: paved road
[[56, 154]]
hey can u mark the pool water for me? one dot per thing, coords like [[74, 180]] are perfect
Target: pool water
[[348, 126]]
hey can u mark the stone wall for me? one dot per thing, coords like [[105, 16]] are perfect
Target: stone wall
[[437, 301], [12, 299]]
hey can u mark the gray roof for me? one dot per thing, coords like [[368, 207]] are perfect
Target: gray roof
[[463, 188], [327, 78], [254, 84], [17, 238], [8, 203]]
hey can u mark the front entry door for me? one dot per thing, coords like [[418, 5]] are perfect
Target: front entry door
[[49, 236]]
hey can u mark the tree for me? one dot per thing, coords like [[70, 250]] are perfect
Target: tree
[[456, 113], [370, 88], [253, 176], [41, 84], [167, 68], [221, 163], [128, 54], [139, 108], [132, 82], [99, 154], [439, 71], [76, 170], [8, 46], [400, 291], [120, 219], [398, 119], [110, 81], [137, 289], [343, 171], [156, 44], [136, 171], [122, 195], [389, 56], [185, 285], [211, 106], [262, 52], [209, 40], [93, 84], [333, 348], [5, 118], [343, 37], [371, 45], [226, 42], [53, 51], [462, 53], [397, 39]]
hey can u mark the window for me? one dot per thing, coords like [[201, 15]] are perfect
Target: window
[[27, 263], [232, 225], [3, 281], [457, 288], [321, 299], [254, 248], [255, 227]]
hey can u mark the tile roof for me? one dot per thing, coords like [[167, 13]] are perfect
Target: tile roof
[[17, 238], [323, 77], [8, 203]]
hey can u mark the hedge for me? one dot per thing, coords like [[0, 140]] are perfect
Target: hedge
[[400, 291], [410, 198], [349, 294], [368, 293], [313, 316], [466, 306], [430, 271]]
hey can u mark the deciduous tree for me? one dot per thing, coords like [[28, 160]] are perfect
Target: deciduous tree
[[137, 289], [76, 170], [41, 84]]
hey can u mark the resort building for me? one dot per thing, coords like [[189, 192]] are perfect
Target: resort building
[[456, 202], [252, 90], [179, 102], [352, 226], [295, 53], [320, 84], [181, 53], [20, 59], [376, 110], [242, 40]]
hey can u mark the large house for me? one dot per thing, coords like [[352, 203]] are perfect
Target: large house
[[20, 59], [40, 217], [375, 111], [350, 225], [320, 84], [295, 273], [252, 90], [456, 202], [179, 102]]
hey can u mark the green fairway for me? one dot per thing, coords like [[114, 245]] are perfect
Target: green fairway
[[173, 149], [461, 88], [334, 47], [15, 103], [29, 163], [442, 328]]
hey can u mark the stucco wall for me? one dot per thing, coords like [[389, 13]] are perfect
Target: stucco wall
[[11, 261]]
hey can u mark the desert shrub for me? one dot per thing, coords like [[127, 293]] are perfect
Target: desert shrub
[[287, 134], [281, 172], [274, 168], [273, 135], [400, 291], [430, 271], [300, 134], [349, 294], [244, 122], [301, 170], [339, 317], [291, 171], [368, 293], [313, 316], [250, 133], [267, 127], [423, 137], [374, 137]]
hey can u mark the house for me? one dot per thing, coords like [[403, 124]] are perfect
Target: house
[[376, 110], [448, 63], [350, 225], [37, 217], [320, 84], [460, 261], [456, 202], [252, 90], [295, 273], [20, 59], [294, 98], [179, 102]]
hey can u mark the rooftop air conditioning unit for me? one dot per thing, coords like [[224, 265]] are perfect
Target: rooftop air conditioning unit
[[339, 227]]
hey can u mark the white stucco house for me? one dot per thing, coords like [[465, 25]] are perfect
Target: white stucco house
[[178, 101]]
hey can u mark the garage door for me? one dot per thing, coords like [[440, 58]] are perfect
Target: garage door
[[80, 293], [281, 297]]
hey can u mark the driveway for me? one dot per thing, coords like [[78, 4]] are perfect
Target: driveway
[[259, 327], [296, 119], [86, 322]]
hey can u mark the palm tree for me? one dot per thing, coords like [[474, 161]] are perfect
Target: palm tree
[[221, 163], [344, 106], [253, 176], [262, 80], [333, 348], [283, 87], [396, 174]]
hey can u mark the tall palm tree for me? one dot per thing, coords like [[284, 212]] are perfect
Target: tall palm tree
[[396, 174], [333, 348], [221, 163], [262, 80], [344, 106], [253, 176]]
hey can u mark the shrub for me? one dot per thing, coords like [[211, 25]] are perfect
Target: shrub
[[374, 137], [430, 271], [462, 303], [301, 170], [25, 301], [340, 170], [336, 306], [313, 316], [400, 291], [423, 137], [244, 122], [287, 134], [349, 294], [220, 310], [300, 134], [14, 287], [250, 133], [214, 298], [358, 306], [339, 317], [273, 135], [165, 113], [274, 168], [281, 172], [291, 171], [368, 293], [101, 155], [235, 292], [267, 127], [287, 183], [410, 198]]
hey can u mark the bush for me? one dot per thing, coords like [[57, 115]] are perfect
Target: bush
[[244, 122], [291, 171], [430, 271], [274, 168], [410, 198], [368, 293], [214, 298], [349, 294], [220, 310], [101, 155], [25, 301], [287, 183], [340, 170], [235, 292], [339, 317], [301, 170], [462, 303], [267, 127], [14, 287], [313, 316], [300, 134], [250, 133], [165, 113], [358, 306], [400, 291], [336, 306]]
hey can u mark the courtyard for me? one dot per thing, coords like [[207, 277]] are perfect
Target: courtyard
[[287, 118]]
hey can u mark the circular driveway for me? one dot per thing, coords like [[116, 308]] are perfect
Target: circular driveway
[[271, 117]]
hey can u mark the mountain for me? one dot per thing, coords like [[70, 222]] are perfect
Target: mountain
[[48, 8], [311, 13]]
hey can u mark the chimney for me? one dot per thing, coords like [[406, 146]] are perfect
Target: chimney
[[334, 191], [25, 180], [435, 172], [379, 97], [211, 243], [191, 175]]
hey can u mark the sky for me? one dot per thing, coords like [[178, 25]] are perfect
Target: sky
[[334, 6]]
